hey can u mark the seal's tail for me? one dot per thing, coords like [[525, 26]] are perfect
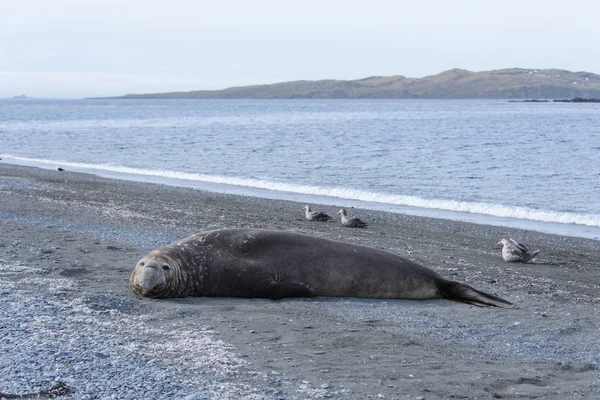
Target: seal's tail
[[466, 294]]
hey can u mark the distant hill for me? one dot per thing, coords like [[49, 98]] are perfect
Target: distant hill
[[513, 83], [20, 97]]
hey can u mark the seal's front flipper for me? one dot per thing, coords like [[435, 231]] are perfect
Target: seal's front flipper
[[280, 290]]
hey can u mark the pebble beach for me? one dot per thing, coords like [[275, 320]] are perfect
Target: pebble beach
[[69, 241]]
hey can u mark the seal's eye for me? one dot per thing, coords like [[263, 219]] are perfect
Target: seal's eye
[[166, 267], [141, 264]]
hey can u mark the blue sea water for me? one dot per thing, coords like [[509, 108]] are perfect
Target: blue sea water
[[532, 165]]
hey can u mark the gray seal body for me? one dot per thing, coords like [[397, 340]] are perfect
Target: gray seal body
[[276, 264]]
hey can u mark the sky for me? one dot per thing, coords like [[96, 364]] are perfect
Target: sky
[[87, 48]]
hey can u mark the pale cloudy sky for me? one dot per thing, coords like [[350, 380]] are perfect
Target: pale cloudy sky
[[81, 48]]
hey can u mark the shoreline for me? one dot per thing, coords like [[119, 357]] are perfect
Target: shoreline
[[69, 242], [183, 181]]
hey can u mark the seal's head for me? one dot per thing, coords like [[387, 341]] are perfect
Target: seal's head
[[151, 276], [159, 274], [176, 270]]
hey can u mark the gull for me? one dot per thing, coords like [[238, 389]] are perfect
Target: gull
[[352, 222], [315, 215], [513, 251]]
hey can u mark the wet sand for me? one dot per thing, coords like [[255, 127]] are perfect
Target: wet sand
[[86, 233]]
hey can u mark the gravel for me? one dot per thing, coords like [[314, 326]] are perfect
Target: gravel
[[101, 345], [68, 243]]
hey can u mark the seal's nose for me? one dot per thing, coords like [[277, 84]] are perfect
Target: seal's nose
[[149, 277]]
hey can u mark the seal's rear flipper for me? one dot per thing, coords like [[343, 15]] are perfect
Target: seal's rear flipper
[[466, 294], [280, 290]]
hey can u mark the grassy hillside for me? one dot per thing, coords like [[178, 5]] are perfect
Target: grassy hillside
[[513, 83]]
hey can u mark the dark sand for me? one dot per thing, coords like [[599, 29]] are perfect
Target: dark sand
[[92, 230]]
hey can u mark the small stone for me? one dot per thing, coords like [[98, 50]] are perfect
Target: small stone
[[324, 371], [195, 396], [252, 331], [325, 386], [319, 352]]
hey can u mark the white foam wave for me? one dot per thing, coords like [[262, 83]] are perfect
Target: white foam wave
[[495, 210]]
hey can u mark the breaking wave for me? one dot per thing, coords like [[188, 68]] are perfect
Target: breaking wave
[[495, 210]]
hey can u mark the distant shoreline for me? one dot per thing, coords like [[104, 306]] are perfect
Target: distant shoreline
[[573, 100], [510, 83]]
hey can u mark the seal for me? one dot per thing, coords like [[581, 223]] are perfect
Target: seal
[[275, 264]]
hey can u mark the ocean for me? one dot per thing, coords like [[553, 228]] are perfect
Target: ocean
[[526, 165]]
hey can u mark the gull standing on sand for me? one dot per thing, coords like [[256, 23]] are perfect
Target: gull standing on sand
[[513, 251], [352, 222], [315, 215]]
